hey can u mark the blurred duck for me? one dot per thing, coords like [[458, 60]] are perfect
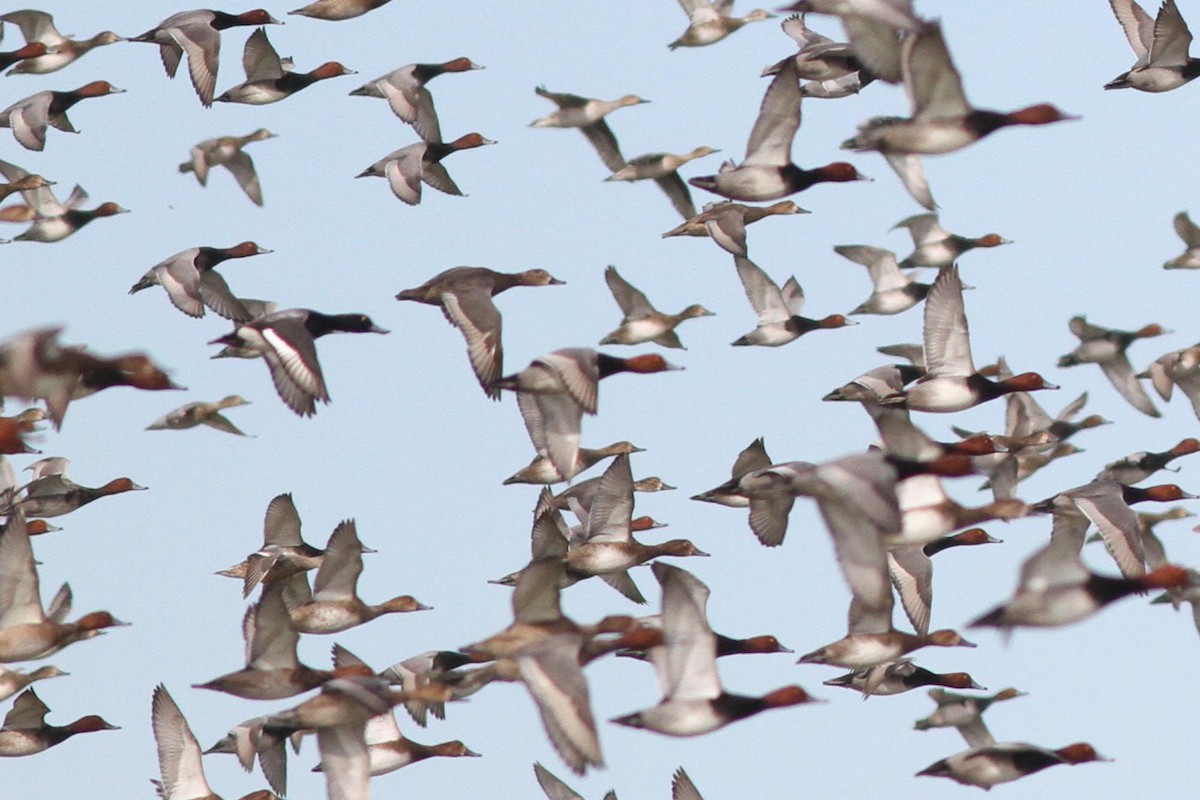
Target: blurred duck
[[269, 79], [663, 169], [584, 493], [404, 89], [38, 28], [942, 120], [894, 291], [1056, 588], [710, 22], [406, 168], [465, 297], [778, 310], [1190, 234], [1106, 347], [227, 151], [767, 171], [193, 414], [542, 470], [952, 383], [987, 763], [1178, 368], [1137, 467], [30, 117], [25, 183], [820, 58], [897, 677], [556, 389], [934, 246], [333, 604], [694, 702], [910, 567], [753, 458], [198, 35], [961, 710], [179, 761], [191, 281], [642, 322], [272, 670], [25, 731], [1161, 46], [27, 632], [35, 364], [283, 553], [588, 115], [286, 340], [54, 221], [13, 680], [336, 10], [725, 222], [51, 493]]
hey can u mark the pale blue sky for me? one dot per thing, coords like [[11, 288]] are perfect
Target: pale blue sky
[[412, 449]]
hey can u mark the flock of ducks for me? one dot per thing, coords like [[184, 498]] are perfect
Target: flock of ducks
[[883, 505]]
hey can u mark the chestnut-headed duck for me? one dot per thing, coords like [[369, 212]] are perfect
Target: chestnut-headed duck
[[465, 297], [725, 222], [28, 631], [25, 731], [541, 469], [1161, 46], [929, 513], [934, 246], [778, 310], [1056, 589], [961, 710], [406, 168], [1136, 467], [588, 115], [227, 151], [272, 670], [332, 604], [694, 702], [910, 567], [952, 383], [556, 389], [267, 78], [663, 169], [893, 291], [283, 554], [1106, 347], [726, 645], [52, 220], [336, 10], [1190, 234], [13, 680], [285, 339], [29, 118], [988, 765], [404, 89], [710, 22], [753, 457], [51, 493], [38, 27], [866, 649], [767, 171], [643, 322], [201, 413], [1107, 505], [13, 431], [198, 35], [942, 120], [897, 677], [191, 282], [31, 50], [179, 756]]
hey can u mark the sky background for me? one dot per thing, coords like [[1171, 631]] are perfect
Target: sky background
[[413, 451]]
